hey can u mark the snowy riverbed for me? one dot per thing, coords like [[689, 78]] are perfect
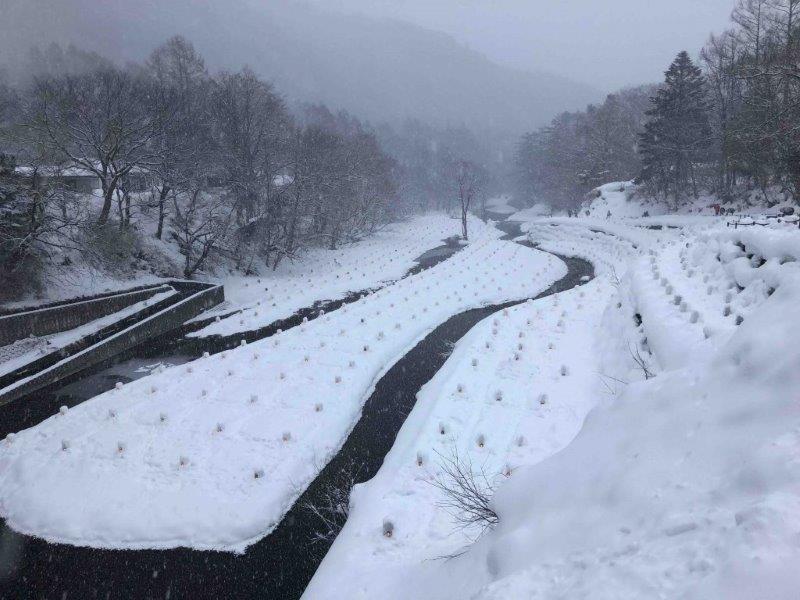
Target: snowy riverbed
[[682, 481], [211, 454], [639, 433]]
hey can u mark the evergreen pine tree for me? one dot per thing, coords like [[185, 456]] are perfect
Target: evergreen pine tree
[[677, 135]]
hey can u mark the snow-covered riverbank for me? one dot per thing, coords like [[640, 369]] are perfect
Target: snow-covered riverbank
[[324, 274], [638, 434], [681, 482]]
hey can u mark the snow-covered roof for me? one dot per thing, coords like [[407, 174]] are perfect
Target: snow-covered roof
[[70, 171], [54, 171]]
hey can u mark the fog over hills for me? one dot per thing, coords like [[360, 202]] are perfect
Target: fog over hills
[[379, 69]]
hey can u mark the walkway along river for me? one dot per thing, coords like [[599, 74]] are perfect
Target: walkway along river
[[281, 564]]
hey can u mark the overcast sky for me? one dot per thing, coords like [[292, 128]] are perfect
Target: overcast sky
[[385, 71], [607, 43]]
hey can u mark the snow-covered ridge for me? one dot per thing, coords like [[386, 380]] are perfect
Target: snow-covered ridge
[[692, 294], [211, 454], [609, 246]]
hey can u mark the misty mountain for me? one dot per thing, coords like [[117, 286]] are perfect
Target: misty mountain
[[379, 69]]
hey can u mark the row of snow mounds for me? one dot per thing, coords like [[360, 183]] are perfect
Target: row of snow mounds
[[757, 255], [324, 274], [211, 454], [515, 390], [496, 406], [692, 294], [686, 486], [609, 247], [622, 342], [623, 349]]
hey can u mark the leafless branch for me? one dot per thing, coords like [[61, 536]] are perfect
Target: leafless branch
[[640, 361]]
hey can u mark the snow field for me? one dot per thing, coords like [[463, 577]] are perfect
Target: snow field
[[685, 486], [626, 200], [682, 485], [500, 205], [534, 212], [609, 251], [618, 199], [331, 274], [212, 453]]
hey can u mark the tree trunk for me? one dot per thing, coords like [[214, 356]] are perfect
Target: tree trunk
[[108, 194], [120, 200], [189, 271], [162, 211], [694, 181]]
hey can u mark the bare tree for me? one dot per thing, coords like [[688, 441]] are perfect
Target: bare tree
[[185, 146], [252, 129], [98, 122], [227, 168], [200, 221], [469, 181], [467, 492], [38, 219]]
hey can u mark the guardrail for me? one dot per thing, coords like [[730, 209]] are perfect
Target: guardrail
[[762, 221], [110, 341], [62, 316]]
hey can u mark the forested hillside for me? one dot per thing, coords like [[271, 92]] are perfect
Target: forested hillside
[[723, 123], [188, 169], [379, 69]]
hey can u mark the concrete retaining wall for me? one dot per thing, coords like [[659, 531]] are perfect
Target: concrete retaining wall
[[199, 297], [66, 316]]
